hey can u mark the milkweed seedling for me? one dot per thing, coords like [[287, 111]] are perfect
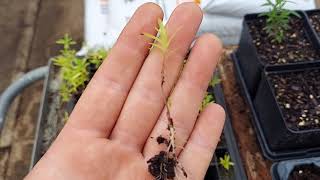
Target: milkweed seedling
[[210, 97], [162, 166], [226, 162], [277, 19]]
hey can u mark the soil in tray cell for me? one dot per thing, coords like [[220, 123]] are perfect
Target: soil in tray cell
[[298, 96], [296, 47], [305, 172], [315, 21]]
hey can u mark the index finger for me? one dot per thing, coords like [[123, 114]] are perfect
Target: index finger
[[100, 104]]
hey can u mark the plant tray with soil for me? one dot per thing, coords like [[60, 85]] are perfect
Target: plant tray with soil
[[314, 18], [301, 169], [67, 78], [297, 94], [226, 163], [258, 48], [288, 109], [277, 141], [289, 50]]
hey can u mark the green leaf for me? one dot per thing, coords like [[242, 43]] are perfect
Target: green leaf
[[226, 162], [214, 80], [162, 41], [74, 70]]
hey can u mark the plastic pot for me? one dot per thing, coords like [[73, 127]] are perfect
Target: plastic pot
[[271, 129], [309, 13], [250, 62], [271, 117], [282, 170]]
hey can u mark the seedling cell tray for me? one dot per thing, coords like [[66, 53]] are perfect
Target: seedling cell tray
[[268, 152], [283, 169], [227, 145]]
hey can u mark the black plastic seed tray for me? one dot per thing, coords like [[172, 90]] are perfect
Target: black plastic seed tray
[[250, 62], [267, 151], [226, 146], [272, 118], [282, 170], [313, 12]]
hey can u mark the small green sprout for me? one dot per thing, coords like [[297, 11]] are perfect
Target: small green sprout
[[66, 41], [96, 57], [214, 81], [226, 162], [162, 41], [206, 101], [210, 97], [73, 69], [277, 19], [65, 117]]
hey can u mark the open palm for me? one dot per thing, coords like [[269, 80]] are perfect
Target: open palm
[[110, 133]]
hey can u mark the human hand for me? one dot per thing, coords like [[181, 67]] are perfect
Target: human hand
[[109, 133]]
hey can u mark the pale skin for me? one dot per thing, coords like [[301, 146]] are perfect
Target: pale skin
[[109, 133]]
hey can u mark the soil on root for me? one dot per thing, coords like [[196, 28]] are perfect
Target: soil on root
[[315, 21], [162, 166], [305, 172], [298, 95], [295, 47]]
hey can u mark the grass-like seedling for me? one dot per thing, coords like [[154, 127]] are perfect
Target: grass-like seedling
[[226, 162], [74, 70], [277, 19], [163, 165]]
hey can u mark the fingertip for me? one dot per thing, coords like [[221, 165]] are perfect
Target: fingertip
[[213, 42], [191, 7], [151, 7], [216, 109]]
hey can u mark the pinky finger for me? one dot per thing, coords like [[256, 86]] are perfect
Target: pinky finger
[[198, 152]]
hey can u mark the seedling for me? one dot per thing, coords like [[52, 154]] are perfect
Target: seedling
[[209, 97], [226, 162], [162, 166], [214, 81], [277, 19], [206, 101], [74, 70], [96, 57]]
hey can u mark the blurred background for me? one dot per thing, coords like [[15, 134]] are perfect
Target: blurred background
[[28, 30]]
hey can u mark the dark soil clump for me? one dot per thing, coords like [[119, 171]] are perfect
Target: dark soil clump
[[162, 140], [298, 96], [305, 172], [296, 47], [315, 21], [162, 167]]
